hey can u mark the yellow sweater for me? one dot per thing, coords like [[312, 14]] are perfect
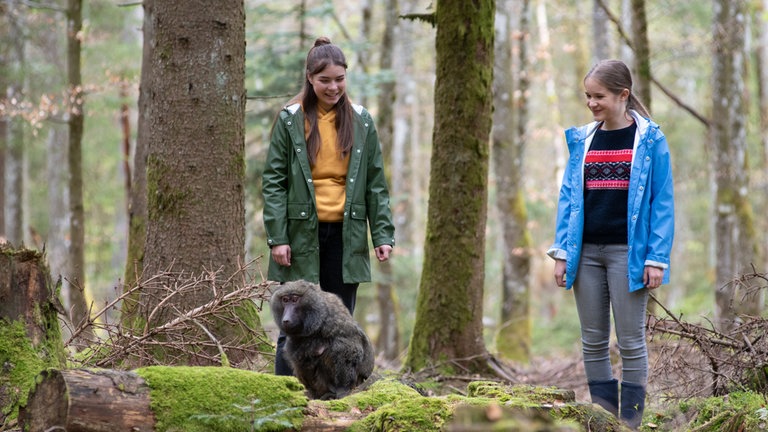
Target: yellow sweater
[[329, 173]]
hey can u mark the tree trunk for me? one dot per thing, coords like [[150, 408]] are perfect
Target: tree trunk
[[510, 118], [602, 45], [78, 304], [734, 226], [388, 340], [448, 326], [137, 200], [56, 248], [642, 51], [195, 170], [13, 206], [195, 160], [761, 28], [6, 35], [88, 401], [30, 338], [14, 165]]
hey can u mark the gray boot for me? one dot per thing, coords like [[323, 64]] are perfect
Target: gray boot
[[632, 404], [606, 394]]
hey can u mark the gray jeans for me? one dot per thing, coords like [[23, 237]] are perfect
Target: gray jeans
[[601, 284]]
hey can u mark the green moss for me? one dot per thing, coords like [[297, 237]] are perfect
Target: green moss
[[211, 399], [738, 411], [162, 199], [415, 414], [522, 394], [380, 393], [21, 363]]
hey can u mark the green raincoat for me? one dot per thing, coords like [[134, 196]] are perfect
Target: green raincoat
[[290, 216]]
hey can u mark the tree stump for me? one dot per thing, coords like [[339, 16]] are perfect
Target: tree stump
[[80, 400], [30, 336]]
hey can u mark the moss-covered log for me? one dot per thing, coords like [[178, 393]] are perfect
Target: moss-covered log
[[30, 337], [163, 398], [88, 400]]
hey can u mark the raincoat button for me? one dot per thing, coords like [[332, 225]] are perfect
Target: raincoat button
[[298, 150], [303, 213], [642, 188], [289, 123], [309, 180]]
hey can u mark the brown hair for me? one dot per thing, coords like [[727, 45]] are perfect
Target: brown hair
[[323, 54], [615, 76]]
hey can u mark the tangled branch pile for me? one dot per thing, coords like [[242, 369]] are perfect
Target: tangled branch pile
[[702, 360], [224, 330]]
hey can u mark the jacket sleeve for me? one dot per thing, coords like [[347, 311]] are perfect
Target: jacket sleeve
[[559, 247], [275, 184], [377, 192], [662, 216]]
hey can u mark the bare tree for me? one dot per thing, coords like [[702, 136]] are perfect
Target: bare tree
[[510, 118], [733, 221], [79, 311], [388, 341], [642, 50]]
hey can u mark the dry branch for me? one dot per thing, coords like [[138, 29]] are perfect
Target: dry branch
[[188, 334], [700, 360]]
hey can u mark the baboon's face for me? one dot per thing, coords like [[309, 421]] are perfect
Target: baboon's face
[[292, 319]]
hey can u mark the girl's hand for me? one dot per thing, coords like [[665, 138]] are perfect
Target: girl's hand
[[652, 277], [282, 255], [560, 272], [382, 252]]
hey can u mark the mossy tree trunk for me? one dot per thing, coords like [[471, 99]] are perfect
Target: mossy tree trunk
[[510, 118], [30, 336], [735, 235], [192, 120], [448, 330]]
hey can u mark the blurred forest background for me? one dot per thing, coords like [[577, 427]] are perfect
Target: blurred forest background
[[564, 38]]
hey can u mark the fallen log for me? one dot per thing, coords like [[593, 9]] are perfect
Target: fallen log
[[80, 400], [161, 398]]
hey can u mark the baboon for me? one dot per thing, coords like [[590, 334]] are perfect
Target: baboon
[[329, 352]]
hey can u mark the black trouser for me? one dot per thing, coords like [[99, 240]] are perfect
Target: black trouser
[[331, 280]]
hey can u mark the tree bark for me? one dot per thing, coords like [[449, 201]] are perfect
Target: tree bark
[[195, 159], [602, 45], [78, 304], [642, 51], [193, 116], [388, 340], [13, 205], [510, 118], [761, 64], [30, 337], [448, 329], [733, 217], [79, 400], [137, 200]]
